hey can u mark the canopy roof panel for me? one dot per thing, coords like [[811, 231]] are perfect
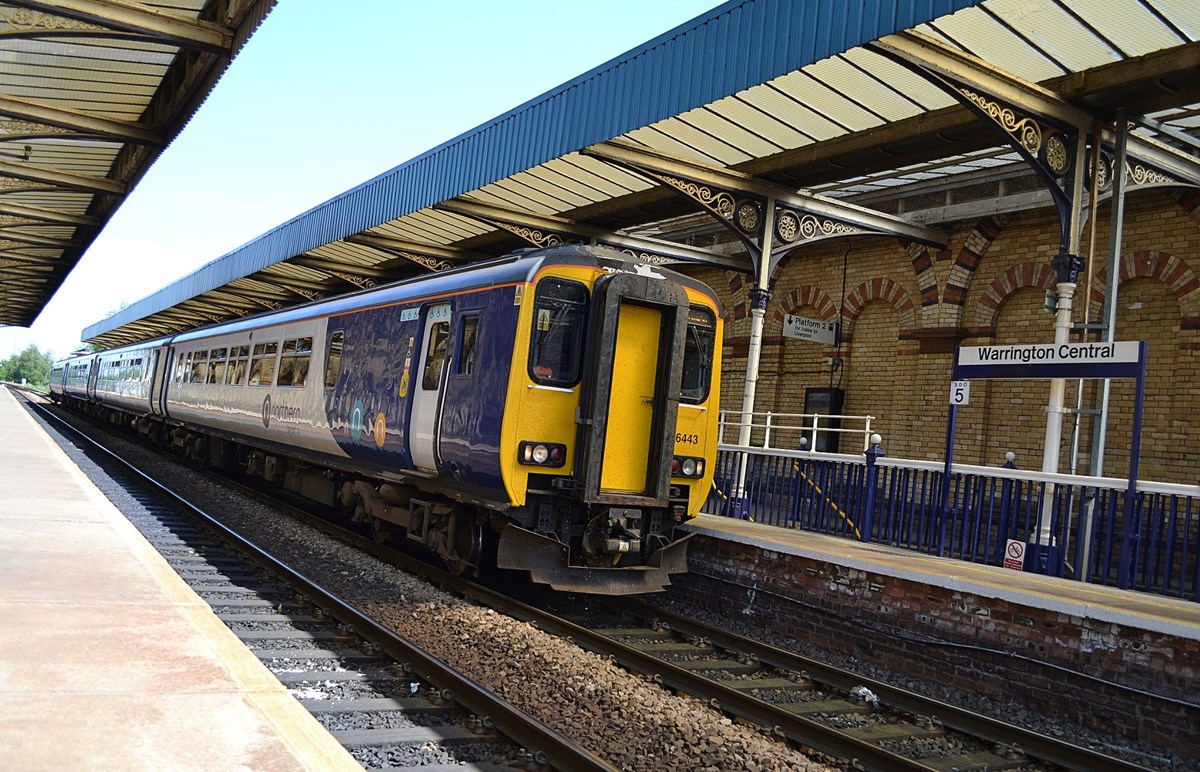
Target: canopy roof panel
[[809, 97], [90, 94]]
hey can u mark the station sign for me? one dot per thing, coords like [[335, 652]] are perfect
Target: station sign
[[1049, 360], [816, 330]]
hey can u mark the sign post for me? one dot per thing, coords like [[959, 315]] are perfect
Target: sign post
[[1110, 359]]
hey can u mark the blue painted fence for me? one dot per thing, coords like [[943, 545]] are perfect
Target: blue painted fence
[[1084, 528]]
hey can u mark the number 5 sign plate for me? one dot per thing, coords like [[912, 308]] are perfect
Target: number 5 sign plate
[[960, 392]]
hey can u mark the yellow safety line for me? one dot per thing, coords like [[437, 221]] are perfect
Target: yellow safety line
[[841, 513], [796, 468]]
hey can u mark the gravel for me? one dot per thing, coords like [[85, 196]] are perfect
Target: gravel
[[622, 718]]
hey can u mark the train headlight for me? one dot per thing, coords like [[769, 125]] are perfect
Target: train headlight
[[686, 466], [542, 453]]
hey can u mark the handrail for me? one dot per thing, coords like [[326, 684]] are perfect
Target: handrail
[[796, 427], [1088, 528]]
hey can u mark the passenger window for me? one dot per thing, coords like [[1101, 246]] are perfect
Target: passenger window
[[216, 365], [559, 324], [293, 363], [239, 359], [262, 364], [185, 367], [333, 360], [698, 355], [435, 355], [465, 363], [199, 366]]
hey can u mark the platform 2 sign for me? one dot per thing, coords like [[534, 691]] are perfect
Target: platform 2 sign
[[816, 330], [1049, 360]]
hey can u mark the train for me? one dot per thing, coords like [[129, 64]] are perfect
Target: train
[[553, 411]]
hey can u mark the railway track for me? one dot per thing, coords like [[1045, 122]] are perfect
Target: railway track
[[802, 702], [387, 700]]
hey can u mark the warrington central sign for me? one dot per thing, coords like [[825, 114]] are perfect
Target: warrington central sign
[[1049, 360]]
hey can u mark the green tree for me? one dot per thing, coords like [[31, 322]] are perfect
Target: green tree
[[30, 364]]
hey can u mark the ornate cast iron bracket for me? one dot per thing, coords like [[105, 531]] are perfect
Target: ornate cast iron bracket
[[357, 281], [535, 236], [1049, 151], [742, 217], [646, 256], [795, 228], [432, 263]]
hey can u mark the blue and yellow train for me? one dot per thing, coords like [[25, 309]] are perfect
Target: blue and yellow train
[[553, 411]]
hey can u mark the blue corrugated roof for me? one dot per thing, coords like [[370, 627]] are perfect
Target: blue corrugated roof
[[736, 45]]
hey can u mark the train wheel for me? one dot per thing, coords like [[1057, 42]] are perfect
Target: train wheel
[[466, 544], [382, 531]]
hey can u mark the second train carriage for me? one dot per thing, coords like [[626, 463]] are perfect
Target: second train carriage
[[564, 401]]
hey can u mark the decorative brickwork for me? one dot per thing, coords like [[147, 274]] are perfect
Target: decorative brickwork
[[989, 286], [814, 297], [966, 265], [1038, 276], [1179, 279], [883, 289]]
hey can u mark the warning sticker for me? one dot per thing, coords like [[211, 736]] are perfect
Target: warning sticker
[[1014, 555]]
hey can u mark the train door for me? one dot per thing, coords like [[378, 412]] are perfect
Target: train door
[[635, 370], [426, 402], [93, 378], [165, 377], [631, 401]]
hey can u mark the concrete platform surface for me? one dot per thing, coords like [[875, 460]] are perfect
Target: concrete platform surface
[[108, 660]]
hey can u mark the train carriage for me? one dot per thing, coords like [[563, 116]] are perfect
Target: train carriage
[[124, 377], [553, 411], [78, 378]]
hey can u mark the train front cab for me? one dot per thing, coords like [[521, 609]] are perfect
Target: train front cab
[[614, 427]]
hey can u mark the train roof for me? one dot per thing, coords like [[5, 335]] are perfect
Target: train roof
[[516, 268]]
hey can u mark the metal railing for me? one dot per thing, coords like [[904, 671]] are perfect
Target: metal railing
[[1092, 529], [789, 431]]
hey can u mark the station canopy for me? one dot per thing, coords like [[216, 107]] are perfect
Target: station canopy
[[822, 117], [91, 92]]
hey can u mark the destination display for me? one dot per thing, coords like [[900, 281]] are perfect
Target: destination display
[[1116, 359]]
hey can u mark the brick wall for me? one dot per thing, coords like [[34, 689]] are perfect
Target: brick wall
[[988, 646], [905, 307]]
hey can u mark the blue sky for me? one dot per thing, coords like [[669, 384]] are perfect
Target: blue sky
[[324, 97]]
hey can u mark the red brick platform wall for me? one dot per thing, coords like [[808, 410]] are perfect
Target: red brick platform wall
[[1048, 662]]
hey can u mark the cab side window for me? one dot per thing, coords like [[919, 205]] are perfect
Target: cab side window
[[698, 355], [559, 324]]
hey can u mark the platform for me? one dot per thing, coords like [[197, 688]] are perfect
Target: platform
[[1119, 663], [108, 660], [1135, 610]]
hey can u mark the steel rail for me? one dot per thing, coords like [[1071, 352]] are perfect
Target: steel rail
[[1034, 743], [557, 749]]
